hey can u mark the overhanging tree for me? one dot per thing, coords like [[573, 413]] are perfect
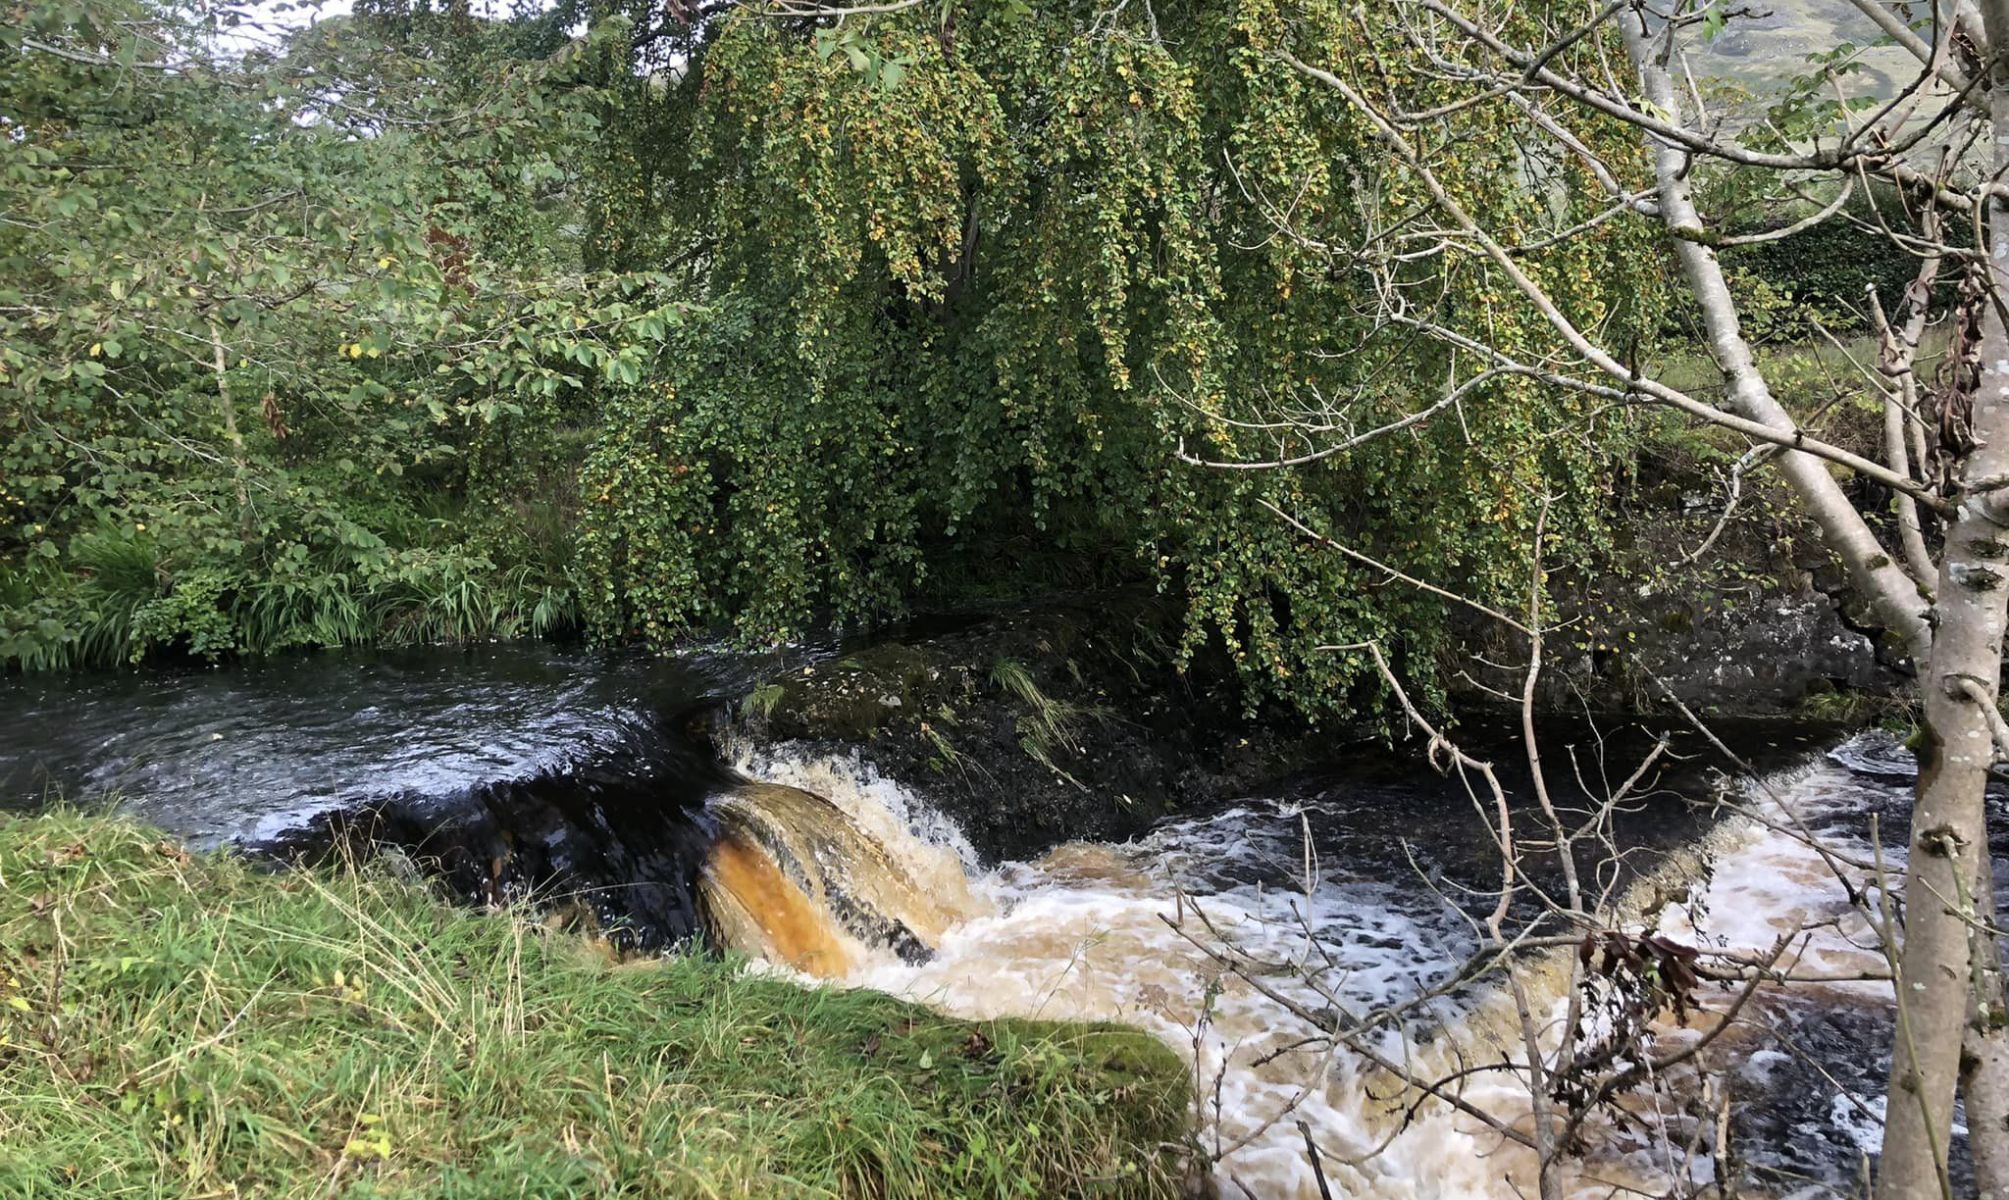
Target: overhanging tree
[[1934, 563], [982, 270]]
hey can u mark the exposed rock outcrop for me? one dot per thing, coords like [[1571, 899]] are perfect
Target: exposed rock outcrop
[[1035, 726]]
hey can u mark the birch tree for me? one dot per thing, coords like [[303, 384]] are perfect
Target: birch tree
[[1929, 556]]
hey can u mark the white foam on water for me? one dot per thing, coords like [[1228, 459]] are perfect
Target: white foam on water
[[876, 803], [1767, 878], [1865, 1129], [1100, 932]]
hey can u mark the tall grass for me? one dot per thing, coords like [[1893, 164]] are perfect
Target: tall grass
[[178, 1026], [114, 600], [1051, 727]]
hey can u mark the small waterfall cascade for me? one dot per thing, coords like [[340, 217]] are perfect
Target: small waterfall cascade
[[826, 870], [825, 881]]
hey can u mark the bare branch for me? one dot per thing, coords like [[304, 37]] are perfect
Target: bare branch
[[1450, 397], [1378, 565]]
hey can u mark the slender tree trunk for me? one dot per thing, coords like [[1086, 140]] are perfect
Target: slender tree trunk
[[1899, 605], [1984, 1057], [227, 407], [1948, 838], [1959, 649], [1958, 687]]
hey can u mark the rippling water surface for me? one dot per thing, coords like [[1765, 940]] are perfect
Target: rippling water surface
[[1349, 886], [527, 770]]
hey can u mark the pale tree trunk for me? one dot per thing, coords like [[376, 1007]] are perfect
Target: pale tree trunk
[[227, 406], [1948, 830], [1984, 1058], [1899, 605], [1959, 649], [1958, 688]]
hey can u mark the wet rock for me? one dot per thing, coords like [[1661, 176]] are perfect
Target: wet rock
[[1769, 653], [1034, 726], [853, 697], [1758, 622], [614, 843], [512, 773]]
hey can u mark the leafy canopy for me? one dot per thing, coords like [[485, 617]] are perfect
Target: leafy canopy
[[980, 271], [431, 326], [264, 324]]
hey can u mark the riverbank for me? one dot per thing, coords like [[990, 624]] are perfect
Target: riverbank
[[187, 1025]]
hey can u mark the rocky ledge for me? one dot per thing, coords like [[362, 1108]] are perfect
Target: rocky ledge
[[1031, 727]]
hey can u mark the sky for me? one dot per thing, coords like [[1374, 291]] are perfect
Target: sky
[[1759, 48], [263, 23]]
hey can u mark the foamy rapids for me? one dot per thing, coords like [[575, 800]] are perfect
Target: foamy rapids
[[1088, 932]]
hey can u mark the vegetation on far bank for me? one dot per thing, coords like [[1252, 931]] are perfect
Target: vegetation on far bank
[[416, 326], [189, 1026]]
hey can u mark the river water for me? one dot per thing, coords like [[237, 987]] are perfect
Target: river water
[[1375, 915], [526, 771], [516, 769]]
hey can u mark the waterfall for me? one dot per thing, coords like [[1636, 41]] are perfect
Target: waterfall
[[826, 869], [829, 880]]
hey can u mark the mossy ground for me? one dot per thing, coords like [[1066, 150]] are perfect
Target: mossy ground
[[192, 1026]]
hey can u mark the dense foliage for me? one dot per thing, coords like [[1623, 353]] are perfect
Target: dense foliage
[[281, 339], [763, 320]]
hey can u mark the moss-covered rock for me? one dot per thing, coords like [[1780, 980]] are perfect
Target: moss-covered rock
[[852, 698], [1036, 726]]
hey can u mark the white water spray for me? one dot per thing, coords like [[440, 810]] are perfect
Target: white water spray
[[1088, 933]]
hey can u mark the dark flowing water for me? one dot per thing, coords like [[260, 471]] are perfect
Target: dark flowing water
[[514, 768]]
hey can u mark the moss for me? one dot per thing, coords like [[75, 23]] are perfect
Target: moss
[[852, 698], [174, 1025]]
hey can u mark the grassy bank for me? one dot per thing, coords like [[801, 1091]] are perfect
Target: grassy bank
[[177, 1026]]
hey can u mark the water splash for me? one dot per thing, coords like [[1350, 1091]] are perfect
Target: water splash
[[1107, 932], [823, 881]]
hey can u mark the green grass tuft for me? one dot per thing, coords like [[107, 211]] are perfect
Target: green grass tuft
[[190, 1026], [765, 699], [1051, 727]]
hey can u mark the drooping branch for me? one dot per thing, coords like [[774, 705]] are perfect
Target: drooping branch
[[1898, 600]]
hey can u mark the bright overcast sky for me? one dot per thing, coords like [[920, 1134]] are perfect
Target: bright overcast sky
[[265, 22]]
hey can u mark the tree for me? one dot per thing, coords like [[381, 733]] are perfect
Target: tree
[[1004, 261], [1933, 565], [264, 319], [999, 260]]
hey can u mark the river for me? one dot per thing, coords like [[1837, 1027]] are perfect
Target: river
[[528, 771]]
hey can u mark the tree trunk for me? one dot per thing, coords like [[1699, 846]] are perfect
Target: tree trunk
[[227, 407], [1948, 836], [1900, 607], [1959, 685], [1984, 1057]]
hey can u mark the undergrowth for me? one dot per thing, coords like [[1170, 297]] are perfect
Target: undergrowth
[[190, 1026], [121, 595]]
